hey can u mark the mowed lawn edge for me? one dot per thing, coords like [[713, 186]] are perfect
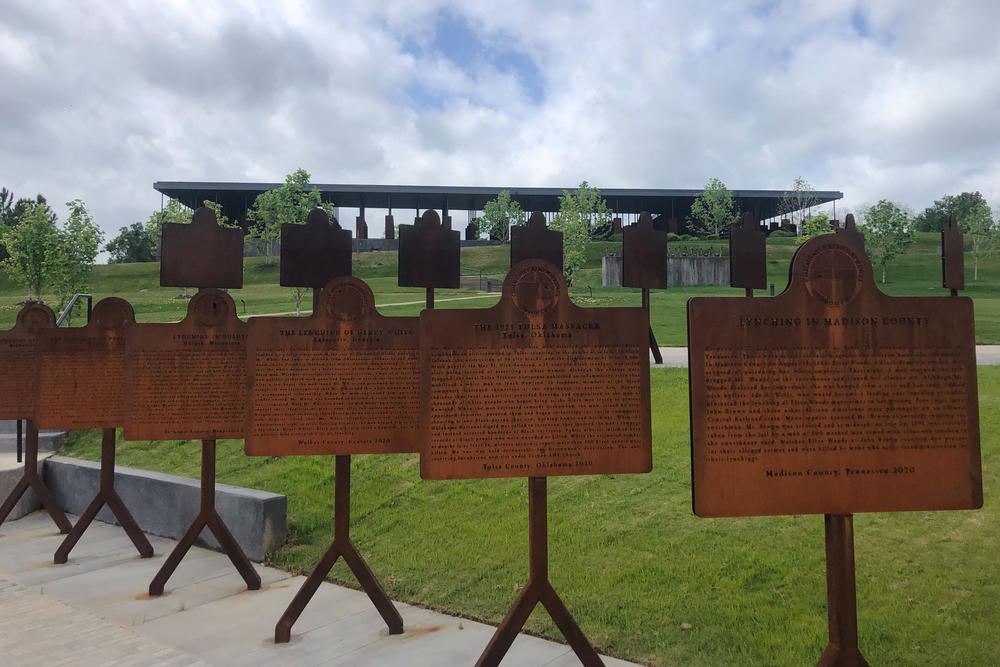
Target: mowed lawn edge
[[644, 577]]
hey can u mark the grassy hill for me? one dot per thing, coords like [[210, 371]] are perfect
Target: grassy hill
[[916, 273]]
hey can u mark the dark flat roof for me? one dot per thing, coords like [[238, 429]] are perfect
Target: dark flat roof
[[236, 198]]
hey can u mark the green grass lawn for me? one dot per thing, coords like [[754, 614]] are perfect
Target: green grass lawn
[[629, 558], [916, 273]]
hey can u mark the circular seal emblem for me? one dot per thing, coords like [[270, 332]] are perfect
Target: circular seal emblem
[[210, 308], [536, 290], [833, 274], [36, 316], [346, 302], [113, 314]]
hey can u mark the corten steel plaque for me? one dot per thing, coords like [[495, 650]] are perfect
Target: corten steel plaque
[[644, 255], [428, 253], [314, 253], [18, 348], [81, 371], [747, 255], [536, 241], [188, 379], [201, 254], [534, 386], [344, 380], [833, 398], [952, 256]]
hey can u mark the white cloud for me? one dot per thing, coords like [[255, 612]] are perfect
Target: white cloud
[[887, 99]]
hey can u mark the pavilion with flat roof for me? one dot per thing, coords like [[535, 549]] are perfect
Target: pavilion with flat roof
[[237, 198]]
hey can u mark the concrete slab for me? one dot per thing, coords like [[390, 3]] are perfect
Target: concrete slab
[[104, 617], [10, 473], [165, 504]]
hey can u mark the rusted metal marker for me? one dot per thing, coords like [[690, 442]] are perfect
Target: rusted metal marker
[[188, 379], [429, 255], [18, 350], [558, 356], [80, 383], [644, 264], [833, 398], [342, 381]]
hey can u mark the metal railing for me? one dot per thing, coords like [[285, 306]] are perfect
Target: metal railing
[[69, 308]]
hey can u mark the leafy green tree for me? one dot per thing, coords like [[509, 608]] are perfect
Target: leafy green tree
[[133, 244], [579, 212], [28, 243], [935, 218], [74, 248], [713, 210], [43, 254], [887, 230], [980, 230], [815, 225], [13, 213], [287, 203], [216, 207], [499, 214], [795, 204]]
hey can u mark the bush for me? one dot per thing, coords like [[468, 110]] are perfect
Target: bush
[[782, 234]]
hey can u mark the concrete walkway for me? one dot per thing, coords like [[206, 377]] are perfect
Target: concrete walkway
[[94, 610], [677, 357]]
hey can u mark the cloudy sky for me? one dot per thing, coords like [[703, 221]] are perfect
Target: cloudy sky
[[890, 99]]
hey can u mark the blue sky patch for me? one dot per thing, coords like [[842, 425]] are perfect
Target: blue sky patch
[[456, 40]]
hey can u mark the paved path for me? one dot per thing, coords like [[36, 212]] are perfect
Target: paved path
[[308, 311], [676, 357], [94, 611]]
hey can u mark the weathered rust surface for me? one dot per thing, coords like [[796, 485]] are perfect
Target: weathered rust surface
[[833, 398], [428, 253], [534, 386], [952, 256], [344, 380], [201, 254], [644, 255], [81, 371], [536, 241], [315, 253], [747, 255], [18, 349], [188, 379]]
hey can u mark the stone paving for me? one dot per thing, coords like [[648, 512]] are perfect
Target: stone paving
[[94, 610]]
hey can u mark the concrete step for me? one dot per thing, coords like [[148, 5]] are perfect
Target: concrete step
[[48, 441]]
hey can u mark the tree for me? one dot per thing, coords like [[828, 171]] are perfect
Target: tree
[[71, 257], [887, 230], [27, 243], [43, 254], [979, 228], [499, 214], [795, 204], [712, 210], [287, 203], [815, 225], [216, 208], [13, 213], [935, 218], [579, 213], [133, 244]]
